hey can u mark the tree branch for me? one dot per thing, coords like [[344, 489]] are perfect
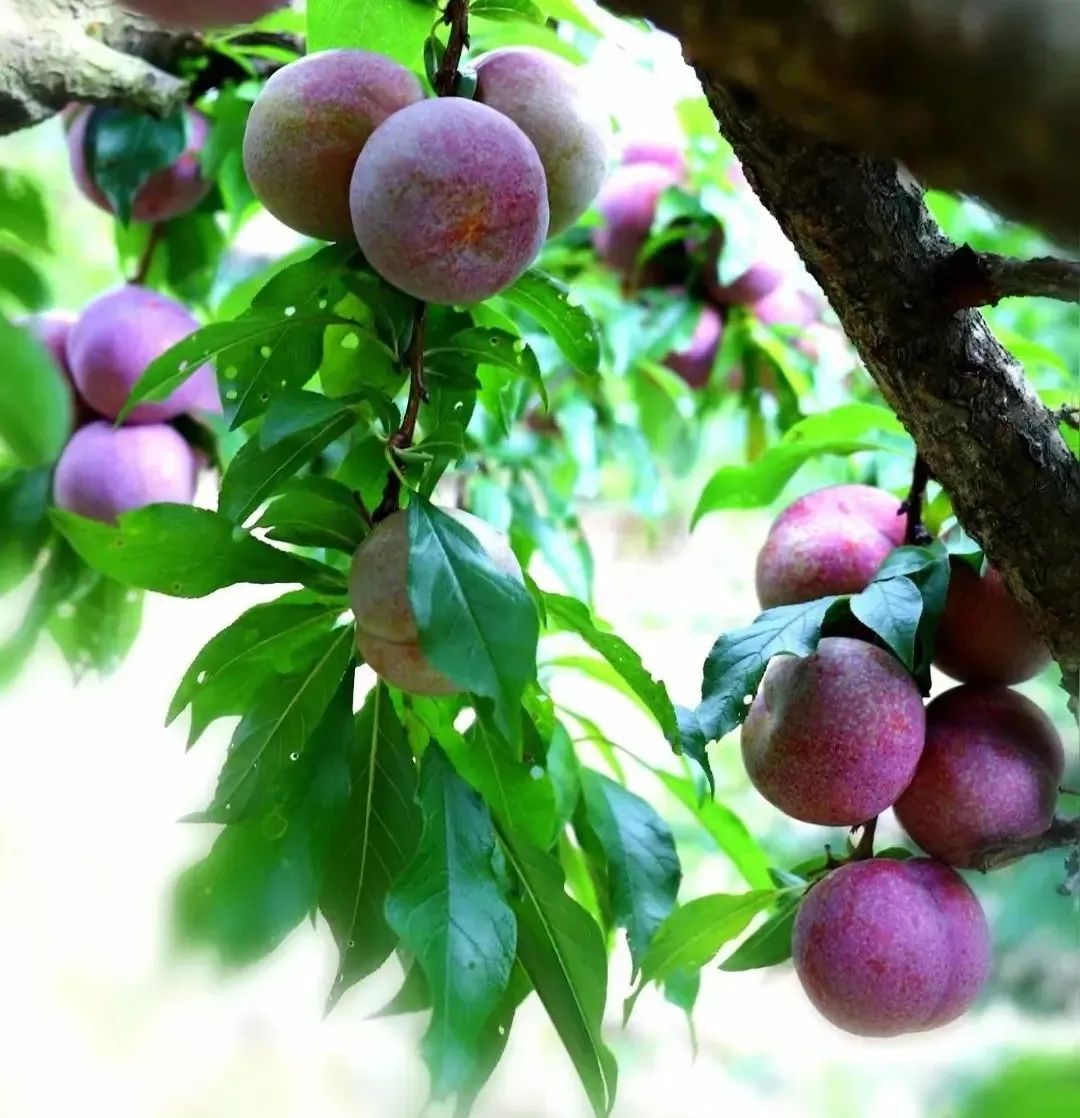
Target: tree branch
[[978, 96], [1060, 833], [981, 279], [915, 530], [862, 228]]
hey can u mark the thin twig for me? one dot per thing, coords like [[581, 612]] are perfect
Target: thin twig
[[981, 279], [146, 261], [1060, 833], [1069, 414], [456, 17], [915, 532]]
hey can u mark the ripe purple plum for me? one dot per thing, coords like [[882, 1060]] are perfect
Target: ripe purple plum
[[117, 337], [547, 99], [307, 128], [883, 947], [653, 149], [831, 541], [984, 635], [694, 362], [449, 201], [202, 13], [105, 471], [627, 204], [386, 632], [834, 737], [169, 193], [989, 774], [758, 281], [785, 306]]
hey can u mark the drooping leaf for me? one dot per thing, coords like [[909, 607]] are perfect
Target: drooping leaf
[[642, 861], [693, 743], [376, 841], [263, 875], [770, 944], [187, 552], [892, 608], [35, 400], [97, 625], [24, 523], [315, 512], [562, 952], [449, 910], [477, 625], [396, 28], [571, 327]]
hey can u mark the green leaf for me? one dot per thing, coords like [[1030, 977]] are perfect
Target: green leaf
[[768, 945], [739, 658], [725, 828], [97, 625], [315, 512], [449, 911], [396, 28], [892, 608], [693, 934], [491, 347], [269, 639], [186, 552], [263, 875], [506, 11], [571, 327], [273, 734], [572, 616], [24, 523], [476, 624], [22, 209], [124, 149], [257, 471], [928, 569], [693, 743], [377, 839], [843, 430], [35, 399], [562, 950], [642, 862], [23, 281], [295, 414]]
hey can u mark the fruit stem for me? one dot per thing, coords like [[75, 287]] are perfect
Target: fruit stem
[[456, 17], [912, 508], [1061, 833], [864, 848], [146, 261]]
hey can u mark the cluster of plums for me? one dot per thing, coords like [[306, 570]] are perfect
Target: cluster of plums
[[835, 737], [106, 470], [450, 199], [628, 203]]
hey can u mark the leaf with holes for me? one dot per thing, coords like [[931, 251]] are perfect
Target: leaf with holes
[[96, 627], [491, 347], [315, 512], [571, 327]]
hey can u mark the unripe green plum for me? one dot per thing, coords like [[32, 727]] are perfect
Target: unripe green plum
[[307, 128], [105, 471], [694, 362], [884, 947], [386, 632], [449, 201], [547, 99], [627, 204], [166, 194], [831, 541], [202, 13], [989, 774], [834, 737], [984, 635], [114, 341]]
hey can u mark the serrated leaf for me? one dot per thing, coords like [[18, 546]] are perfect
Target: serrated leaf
[[738, 660], [97, 625], [376, 841], [449, 911], [35, 399], [263, 875], [892, 608], [477, 625], [572, 616], [642, 862], [269, 639], [186, 552], [562, 951], [24, 523], [273, 734], [571, 328], [768, 945], [315, 512], [396, 28]]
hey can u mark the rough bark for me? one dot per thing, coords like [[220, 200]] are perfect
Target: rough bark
[[979, 96], [860, 224], [981, 279]]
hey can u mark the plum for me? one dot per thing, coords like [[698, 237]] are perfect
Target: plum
[[627, 204], [166, 194], [386, 632], [117, 337], [759, 280], [695, 361], [105, 471], [202, 13], [989, 774], [52, 328], [785, 306], [834, 737], [653, 149], [307, 128], [984, 635], [884, 947], [449, 201], [831, 541], [546, 98]]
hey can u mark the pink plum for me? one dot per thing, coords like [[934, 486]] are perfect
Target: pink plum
[[989, 774], [652, 149], [202, 13], [758, 281], [307, 128], [627, 204], [694, 362], [449, 201], [834, 737], [105, 471]]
